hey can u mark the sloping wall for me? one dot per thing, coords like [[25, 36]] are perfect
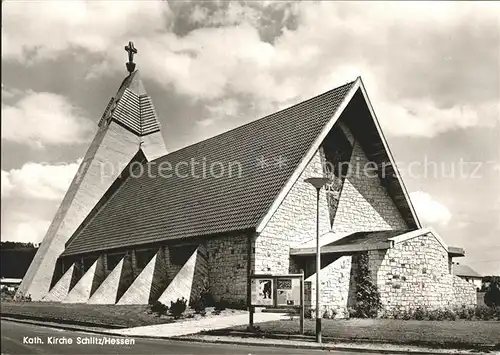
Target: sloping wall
[[61, 288], [139, 291], [106, 292], [182, 285], [81, 292]]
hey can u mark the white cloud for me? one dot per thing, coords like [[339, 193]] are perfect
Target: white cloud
[[423, 118], [9, 93], [425, 81], [21, 227], [429, 211], [56, 26], [40, 119], [220, 110], [7, 186], [39, 181]]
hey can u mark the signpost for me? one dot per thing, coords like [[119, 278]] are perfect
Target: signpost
[[277, 292]]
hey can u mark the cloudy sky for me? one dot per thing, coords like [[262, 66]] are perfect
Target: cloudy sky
[[431, 71]]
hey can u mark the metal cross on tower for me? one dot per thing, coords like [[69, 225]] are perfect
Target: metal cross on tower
[[131, 51]]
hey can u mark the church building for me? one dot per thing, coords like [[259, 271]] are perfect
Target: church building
[[139, 224]]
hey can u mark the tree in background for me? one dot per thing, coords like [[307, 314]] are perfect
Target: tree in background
[[15, 258], [492, 295]]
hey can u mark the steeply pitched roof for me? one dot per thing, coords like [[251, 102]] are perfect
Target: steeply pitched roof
[[257, 158], [465, 270], [132, 108]]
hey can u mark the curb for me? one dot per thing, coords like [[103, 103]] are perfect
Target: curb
[[443, 346], [323, 347], [58, 326], [60, 321], [191, 338]]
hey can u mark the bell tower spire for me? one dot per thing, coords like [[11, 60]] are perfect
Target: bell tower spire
[[128, 124]]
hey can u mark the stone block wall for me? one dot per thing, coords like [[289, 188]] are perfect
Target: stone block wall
[[364, 203], [293, 223], [464, 292], [416, 273], [335, 283], [227, 267]]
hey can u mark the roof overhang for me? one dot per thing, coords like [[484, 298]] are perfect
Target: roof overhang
[[332, 249], [309, 248], [456, 252]]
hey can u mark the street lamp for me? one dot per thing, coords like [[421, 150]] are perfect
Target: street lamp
[[318, 183]]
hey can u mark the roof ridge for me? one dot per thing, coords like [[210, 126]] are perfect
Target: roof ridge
[[257, 120]]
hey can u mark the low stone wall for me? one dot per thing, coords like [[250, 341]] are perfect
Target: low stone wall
[[416, 273], [464, 293]]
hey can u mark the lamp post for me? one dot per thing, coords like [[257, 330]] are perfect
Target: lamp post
[[318, 183]]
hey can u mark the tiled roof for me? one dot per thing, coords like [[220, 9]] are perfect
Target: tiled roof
[[465, 270], [258, 158]]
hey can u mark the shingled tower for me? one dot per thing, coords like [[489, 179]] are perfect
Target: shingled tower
[[128, 124]]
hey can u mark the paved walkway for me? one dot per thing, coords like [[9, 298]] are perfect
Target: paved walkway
[[196, 326]]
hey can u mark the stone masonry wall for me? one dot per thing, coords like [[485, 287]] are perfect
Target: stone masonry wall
[[334, 279], [464, 292], [227, 268], [364, 203], [293, 223], [416, 273]]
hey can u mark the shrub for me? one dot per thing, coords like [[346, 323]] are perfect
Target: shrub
[[204, 295], [221, 305], [240, 304], [407, 314], [255, 329], [465, 312], [308, 313], [204, 298], [449, 314], [419, 314], [368, 302], [441, 314], [22, 298], [178, 307], [158, 308], [329, 314], [198, 305], [484, 313]]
